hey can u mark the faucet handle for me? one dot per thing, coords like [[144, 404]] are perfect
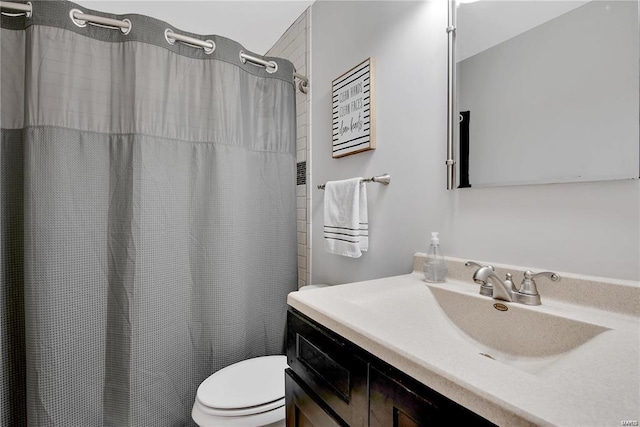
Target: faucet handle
[[470, 263], [551, 275], [528, 284], [508, 283]]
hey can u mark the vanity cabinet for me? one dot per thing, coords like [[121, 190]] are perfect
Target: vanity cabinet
[[333, 382]]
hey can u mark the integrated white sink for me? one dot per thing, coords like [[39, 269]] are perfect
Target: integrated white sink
[[524, 337], [528, 338]]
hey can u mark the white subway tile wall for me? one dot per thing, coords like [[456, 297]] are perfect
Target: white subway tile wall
[[294, 46]]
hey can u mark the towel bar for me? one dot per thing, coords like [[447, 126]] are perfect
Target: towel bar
[[382, 179]]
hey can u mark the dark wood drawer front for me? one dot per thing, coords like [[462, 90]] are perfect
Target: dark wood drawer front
[[324, 366], [302, 409], [329, 367]]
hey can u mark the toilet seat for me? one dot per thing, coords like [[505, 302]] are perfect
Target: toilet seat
[[241, 412], [274, 418], [249, 387]]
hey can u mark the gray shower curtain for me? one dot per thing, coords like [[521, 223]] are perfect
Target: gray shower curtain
[[147, 218]]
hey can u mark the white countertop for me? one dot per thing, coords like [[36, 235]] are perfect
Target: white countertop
[[399, 320]]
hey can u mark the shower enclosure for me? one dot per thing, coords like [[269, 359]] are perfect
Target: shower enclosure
[[147, 227]]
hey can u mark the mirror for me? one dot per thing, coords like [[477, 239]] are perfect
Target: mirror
[[545, 91]]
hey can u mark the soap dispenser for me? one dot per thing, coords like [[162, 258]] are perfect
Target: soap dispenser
[[434, 267]]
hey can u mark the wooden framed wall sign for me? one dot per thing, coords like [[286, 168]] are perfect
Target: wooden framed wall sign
[[353, 111]]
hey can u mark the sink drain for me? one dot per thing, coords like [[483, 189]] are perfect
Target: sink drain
[[486, 355]]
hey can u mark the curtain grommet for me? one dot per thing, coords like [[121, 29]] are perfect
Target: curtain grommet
[[167, 36], [209, 50], [79, 22], [126, 30], [272, 67]]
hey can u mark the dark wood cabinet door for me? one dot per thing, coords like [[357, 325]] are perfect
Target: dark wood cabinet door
[[330, 366], [392, 404], [302, 408]]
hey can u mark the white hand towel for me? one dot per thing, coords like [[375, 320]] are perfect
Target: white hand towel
[[346, 227]]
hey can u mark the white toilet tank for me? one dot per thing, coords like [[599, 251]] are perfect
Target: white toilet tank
[[309, 287]]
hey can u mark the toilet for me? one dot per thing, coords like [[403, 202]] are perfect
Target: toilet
[[249, 393]]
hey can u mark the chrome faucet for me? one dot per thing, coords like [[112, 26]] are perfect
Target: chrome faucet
[[491, 285]]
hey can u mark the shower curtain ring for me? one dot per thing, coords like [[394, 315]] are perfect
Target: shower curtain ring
[[209, 50], [126, 30], [167, 35], [272, 67], [79, 22]]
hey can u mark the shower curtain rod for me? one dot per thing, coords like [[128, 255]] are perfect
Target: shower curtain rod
[[81, 19]]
